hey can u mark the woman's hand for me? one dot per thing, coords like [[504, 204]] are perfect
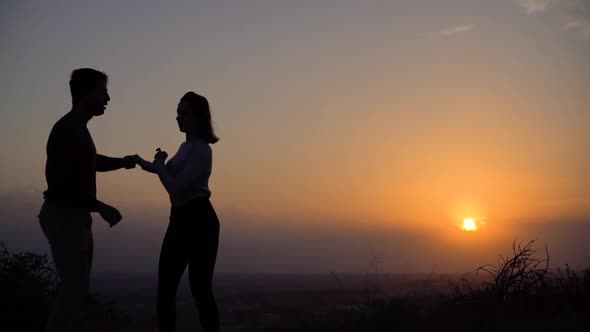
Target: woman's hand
[[160, 155], [146, 166]]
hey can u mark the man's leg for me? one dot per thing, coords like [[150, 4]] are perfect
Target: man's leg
[[69, 235]]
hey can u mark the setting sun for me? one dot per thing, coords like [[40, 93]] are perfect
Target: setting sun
[[469, 224]]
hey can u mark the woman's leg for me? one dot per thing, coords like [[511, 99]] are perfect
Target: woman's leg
[[173, 260], [201, 267]]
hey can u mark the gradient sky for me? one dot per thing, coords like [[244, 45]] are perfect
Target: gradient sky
[[336, 118]]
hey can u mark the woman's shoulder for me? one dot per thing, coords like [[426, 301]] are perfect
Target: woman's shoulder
[[200, 146]]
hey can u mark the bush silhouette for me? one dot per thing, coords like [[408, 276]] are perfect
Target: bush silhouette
[[520, 293], [522, 276], [27, 284]]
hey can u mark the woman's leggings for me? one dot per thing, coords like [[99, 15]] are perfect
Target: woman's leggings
[[191, 239]]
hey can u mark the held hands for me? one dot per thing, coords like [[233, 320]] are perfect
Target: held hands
[[129, 162], [109, 214], [135, 158]]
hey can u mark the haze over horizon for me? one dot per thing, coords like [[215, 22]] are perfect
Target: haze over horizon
[[349, 132]]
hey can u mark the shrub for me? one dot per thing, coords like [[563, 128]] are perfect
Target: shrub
[[27, 284]]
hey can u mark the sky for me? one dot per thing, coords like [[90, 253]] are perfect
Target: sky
[[349, 130]]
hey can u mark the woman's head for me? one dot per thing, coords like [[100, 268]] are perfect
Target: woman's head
[[194, 117]]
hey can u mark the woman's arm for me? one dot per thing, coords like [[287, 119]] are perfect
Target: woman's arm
[[144, 164]]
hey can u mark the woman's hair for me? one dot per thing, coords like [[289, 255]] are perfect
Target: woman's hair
[[200, 108]]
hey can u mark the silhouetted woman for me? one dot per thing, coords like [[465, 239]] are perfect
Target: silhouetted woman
[[193, 232]]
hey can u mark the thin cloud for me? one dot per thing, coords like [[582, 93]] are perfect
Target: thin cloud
[[575, 13], [582, 27], [456, 29], [534, 6], [577, 19]]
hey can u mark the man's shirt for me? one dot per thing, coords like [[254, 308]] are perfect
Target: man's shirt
[[72, 163]]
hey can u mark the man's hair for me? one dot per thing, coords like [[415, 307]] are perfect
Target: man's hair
[[83, 81], [200, 108]]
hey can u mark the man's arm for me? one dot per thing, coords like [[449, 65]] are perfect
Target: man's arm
[[107, 164], [110, 214]]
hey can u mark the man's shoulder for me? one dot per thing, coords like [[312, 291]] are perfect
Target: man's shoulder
[[64, 127], [68, 122]]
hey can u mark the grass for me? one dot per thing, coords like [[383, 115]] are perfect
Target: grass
[[520, 293], [28, 284]]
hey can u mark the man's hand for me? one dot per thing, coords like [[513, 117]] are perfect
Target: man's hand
[[136, 158], [160, 155], [109, 214], [129, 161]]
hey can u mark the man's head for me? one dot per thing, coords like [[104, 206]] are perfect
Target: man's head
[[89, 91]]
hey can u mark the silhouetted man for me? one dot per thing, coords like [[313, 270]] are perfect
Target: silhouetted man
[[72, 163]]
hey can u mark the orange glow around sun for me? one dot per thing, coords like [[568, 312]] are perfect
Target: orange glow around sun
[[469, 225]]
